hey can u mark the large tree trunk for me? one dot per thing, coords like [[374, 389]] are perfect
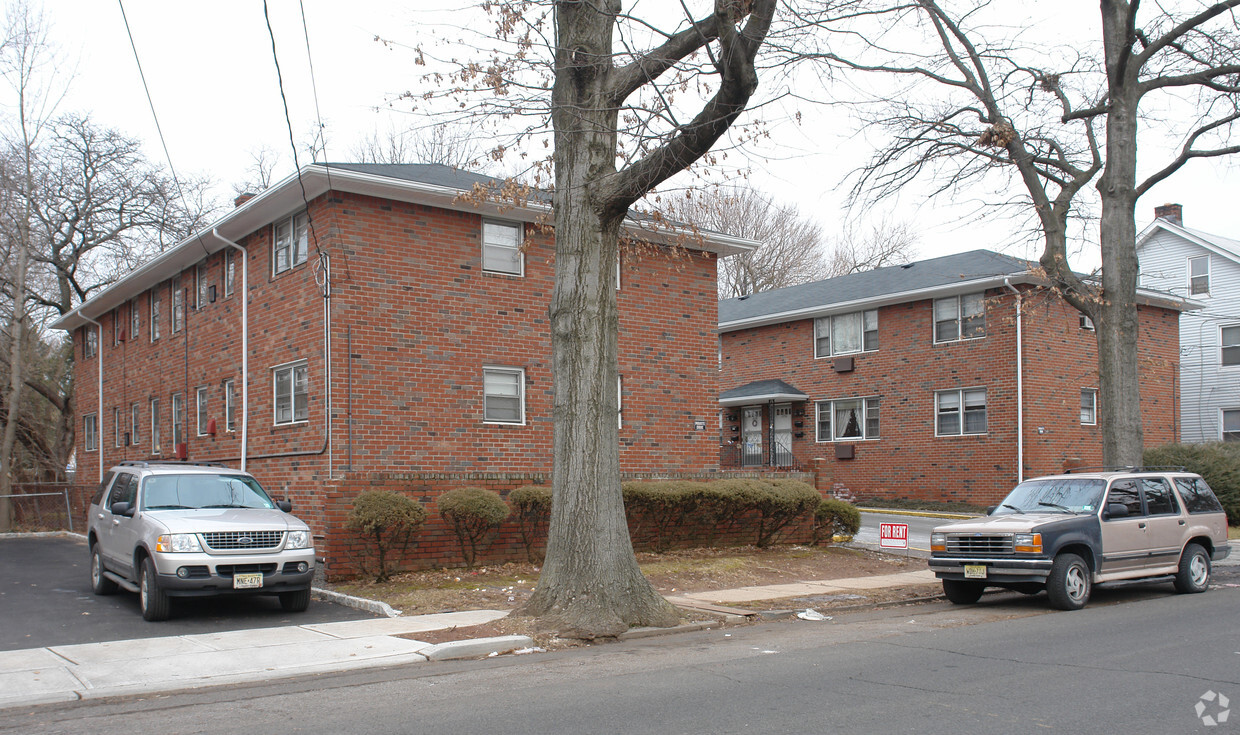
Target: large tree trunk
[[590, 585], [1119, 387]]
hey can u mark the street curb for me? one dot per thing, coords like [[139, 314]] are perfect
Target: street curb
[[44, 534], [377, 607], [916, 513], [477, 647], [635, 633]]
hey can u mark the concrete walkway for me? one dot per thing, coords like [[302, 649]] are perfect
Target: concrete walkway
[[803, 589]]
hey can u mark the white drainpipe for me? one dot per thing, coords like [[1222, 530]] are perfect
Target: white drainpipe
[[99, 412], [1020, 385], [245, 345]]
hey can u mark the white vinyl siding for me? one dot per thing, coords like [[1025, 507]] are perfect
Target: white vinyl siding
[[960, 317], [845, 334], [291, 387], [501, 248], [290, 243], [850, 419], [503, 395], [960, 412]]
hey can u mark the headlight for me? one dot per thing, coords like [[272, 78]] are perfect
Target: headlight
[[297, 539], [177, 543], [1028, 543], [938, 542]]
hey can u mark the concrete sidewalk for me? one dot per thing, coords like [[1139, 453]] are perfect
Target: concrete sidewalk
[[803, 589]]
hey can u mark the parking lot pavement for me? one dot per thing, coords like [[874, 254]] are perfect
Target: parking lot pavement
[[45, 600]]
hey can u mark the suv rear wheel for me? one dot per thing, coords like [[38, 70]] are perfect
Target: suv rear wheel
[[1069, 583], [1194, 572], [961, 592], [153, 601]]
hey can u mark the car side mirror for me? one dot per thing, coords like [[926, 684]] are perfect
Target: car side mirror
[[1116, 510], [990, 510], [122, 509], [285, 506]]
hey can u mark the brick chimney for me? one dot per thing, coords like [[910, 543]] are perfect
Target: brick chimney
[[246, 196], [1173, 213]]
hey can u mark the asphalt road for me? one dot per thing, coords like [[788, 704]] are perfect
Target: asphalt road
[[45, 599], [1138, 660]]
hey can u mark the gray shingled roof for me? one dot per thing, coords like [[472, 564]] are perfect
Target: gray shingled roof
[[889, 281], [761, 390], [434, 174]]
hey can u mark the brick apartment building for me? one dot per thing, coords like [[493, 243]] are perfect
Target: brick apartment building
[[947, 379], [428, 367]]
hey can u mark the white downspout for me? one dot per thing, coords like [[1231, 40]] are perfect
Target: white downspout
[[245, 344], [1020, 384], [99, 395]]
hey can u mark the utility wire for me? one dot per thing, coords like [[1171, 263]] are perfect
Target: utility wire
[[314, 87]]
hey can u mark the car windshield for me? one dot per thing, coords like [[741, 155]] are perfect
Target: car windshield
[[1058, 495], [195, 491]]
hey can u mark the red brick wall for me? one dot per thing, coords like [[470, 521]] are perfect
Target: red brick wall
[[909, 461]]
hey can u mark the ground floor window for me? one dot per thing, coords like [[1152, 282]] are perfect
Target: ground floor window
[[202, 413], [230, 406], [292, 390], [90, 432], [849, 419], [154, 426], [135, 416], [960, 412], [178, 419], [1231, 425]]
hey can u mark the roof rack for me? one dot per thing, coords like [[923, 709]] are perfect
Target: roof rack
[[167, 462], [1125, 468]]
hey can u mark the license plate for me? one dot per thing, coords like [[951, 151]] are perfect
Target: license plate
[[247, 581], [975, 571]]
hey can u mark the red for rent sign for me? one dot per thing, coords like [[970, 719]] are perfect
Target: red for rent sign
[[893, 535]]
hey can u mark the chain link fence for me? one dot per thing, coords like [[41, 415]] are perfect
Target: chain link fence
[[50, 506]]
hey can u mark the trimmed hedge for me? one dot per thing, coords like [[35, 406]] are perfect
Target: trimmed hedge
[[1217, 462], [473, 513], [834, 516], [533, 506], [391, 519]]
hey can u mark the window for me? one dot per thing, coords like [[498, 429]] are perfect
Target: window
[[117, 328], [124, 490], [203, 417], [1199, 275], [1198, 497], [90, 342], [852, 419], [501, 248], [1229, 340], [90, 432], [619, 402], [230, 271], [178, 420], [846, 333], [1125, 492], [135, 319], [961, 412], [154, 426], [117, 428], [1087, 323], [960, 317], [1158, 498], [135, 416], [155, 304], [178, 306], [230, 407], [291, 242], [1089, 406], [1231, 425], [200, 282], [503, 400], [291, 384]]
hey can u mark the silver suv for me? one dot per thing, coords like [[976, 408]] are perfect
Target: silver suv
[[1065, 533], [168, 530]]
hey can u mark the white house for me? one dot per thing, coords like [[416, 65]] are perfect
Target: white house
[[1205, 268]]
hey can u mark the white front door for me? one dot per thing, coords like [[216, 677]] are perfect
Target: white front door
[[781, 435], [751, 436]]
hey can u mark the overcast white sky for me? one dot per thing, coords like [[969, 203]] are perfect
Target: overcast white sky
[[213, 82]]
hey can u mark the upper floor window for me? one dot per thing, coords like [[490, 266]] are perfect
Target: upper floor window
[[292, 390], [135, 319], [846, 333], [118, 328], [503, 399], [854, 418], [90, 342], [1089, 406], [1229, 341], [178, 306], [1199, 275], [230, 271], [501, 248], [960, 412], [291, 242], [155, 310], [202, 285], [960, 317]]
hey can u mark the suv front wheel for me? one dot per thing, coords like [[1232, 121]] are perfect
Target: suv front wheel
[[962, 593], [1194, 572], [1069, 583], [153, 601], [99, 584]]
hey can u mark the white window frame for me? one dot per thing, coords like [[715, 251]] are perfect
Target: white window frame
[[230, 405], [135, 422], [292, 368], [135, 319], [178, 306], [1222, 425], [961, 410], [116, 327], [90, 342], [201, 284], [1224, 347], [116, 427], [959, 318], [499, 370], [870, 408], [1191, 277], [155, 309], [1090, 418], [201, 407], [835, 322], [178, 420], [513, 252], [230, 271], [290, 241], [155, 436], [90, 432]]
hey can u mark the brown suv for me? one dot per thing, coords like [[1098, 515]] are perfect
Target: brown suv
[[1065, 533]]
